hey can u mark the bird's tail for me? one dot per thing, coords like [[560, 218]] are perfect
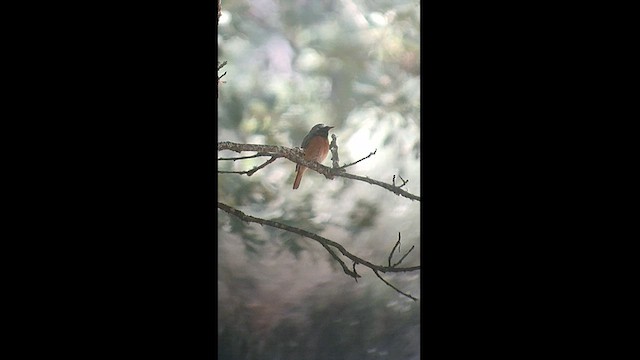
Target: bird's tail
[[300, 171]]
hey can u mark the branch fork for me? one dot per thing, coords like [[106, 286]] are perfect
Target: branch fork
[[330, 246]]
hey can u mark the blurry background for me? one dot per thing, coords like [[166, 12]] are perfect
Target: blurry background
[[292, 64]]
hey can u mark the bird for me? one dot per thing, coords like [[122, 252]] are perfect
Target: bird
[[316, 148]]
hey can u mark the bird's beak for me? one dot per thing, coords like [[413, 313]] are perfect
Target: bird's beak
[[329, 127]]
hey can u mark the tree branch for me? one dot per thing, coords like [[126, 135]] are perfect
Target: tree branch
[[326, 243], [219, 13], [404, 182], [394, 249], [335, 159], [404, 256], [394, 189], [295, 155], [220, 66], [393, 287], [246, 157], [353, 163], [252, 171], [397, 245], [346, 270]]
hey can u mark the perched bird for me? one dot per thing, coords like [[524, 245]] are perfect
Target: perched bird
[[316, 148]]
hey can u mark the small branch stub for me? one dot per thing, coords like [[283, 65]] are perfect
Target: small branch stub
[[335, 159]]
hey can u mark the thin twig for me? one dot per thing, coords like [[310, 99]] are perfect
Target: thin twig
[[220, 66], [393, 181], [252, 171], [394, 249], [232, 172], [403, 181], [405, 255], [354, 271], [346, 270], [248, 156], [393, 287], [353, 163]]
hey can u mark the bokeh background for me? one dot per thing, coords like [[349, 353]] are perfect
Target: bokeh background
[[292, 64]]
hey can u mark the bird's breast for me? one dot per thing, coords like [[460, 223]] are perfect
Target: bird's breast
[[317, 149]]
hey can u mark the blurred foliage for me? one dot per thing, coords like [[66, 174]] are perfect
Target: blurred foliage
[[340, 328], [362, 215], [353, 64], [306, 61]]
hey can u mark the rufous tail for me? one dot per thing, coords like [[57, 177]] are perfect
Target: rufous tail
[[296, 182]]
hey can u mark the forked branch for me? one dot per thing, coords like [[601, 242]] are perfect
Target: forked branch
[[327, 244]]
